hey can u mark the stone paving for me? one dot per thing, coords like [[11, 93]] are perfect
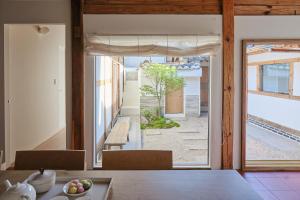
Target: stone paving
[[189, 142]]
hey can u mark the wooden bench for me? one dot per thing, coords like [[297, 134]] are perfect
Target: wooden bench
[[119, 134]]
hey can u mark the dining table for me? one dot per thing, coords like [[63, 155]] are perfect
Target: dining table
[[160, 184]]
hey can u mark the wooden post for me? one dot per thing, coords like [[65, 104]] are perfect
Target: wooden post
[[228, 84], [77, 138]]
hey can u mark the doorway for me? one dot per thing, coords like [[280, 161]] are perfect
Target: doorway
[[35, 116]]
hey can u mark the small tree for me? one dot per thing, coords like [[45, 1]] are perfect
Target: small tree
[[163, 80]]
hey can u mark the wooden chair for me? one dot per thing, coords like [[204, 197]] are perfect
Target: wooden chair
[[136, 160], [50, 159]]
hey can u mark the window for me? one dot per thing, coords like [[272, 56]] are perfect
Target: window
[[275, 78]]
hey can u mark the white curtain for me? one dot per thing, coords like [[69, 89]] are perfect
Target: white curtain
[[151, 45]]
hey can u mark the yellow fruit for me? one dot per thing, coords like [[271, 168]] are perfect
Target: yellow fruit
[[72, 190]]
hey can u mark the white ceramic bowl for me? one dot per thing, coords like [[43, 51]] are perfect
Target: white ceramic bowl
[[66, 187]]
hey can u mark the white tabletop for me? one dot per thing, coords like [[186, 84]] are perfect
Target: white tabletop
[[165, 185]]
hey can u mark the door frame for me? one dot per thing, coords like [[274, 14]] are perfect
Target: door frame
[[8, 154], [287, 165]]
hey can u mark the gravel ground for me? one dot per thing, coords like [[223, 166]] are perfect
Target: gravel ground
[[265, 145], [189, 142]]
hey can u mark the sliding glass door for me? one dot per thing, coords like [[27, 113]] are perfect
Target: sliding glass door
[[271, 104]]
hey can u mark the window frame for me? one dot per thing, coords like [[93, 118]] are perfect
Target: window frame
[[273, 165], [259, 90]]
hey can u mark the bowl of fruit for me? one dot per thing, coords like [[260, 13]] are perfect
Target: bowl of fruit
[[78, 187]]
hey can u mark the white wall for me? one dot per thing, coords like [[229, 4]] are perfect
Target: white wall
[[192, 86], [256, 27], [296, 84], [172, 24], [35, 84], [278, 110], [46, 11], [252, 82]]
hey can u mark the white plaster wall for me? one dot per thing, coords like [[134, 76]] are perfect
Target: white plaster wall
[[36, 85], [252, 82], [256, 27], [296, 84], [278, 110], [173, 24], [30, 12], [192, 86]]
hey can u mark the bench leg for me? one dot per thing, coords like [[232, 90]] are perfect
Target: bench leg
[[121, 146], [127, 138]]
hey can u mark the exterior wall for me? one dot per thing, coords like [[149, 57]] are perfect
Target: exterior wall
[[192, 105], [252, 78], [284, 112], [254, 27], [274, 109], [296, 83], [150, 102], [192, 96]]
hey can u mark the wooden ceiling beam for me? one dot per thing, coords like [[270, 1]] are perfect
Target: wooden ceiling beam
[[267, 10], [152, 9], [153, 2], [268, 2]]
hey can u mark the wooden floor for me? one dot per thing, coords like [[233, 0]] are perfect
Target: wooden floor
[[275, 185]]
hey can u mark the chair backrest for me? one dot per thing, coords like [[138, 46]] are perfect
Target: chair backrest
[[50, 159], [137, 160]]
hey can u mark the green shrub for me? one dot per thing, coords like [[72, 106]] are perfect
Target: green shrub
[[160, 123]]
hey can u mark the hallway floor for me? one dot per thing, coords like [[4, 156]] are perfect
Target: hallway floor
[[275, 185]]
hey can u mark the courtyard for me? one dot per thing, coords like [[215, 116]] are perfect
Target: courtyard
[[263, 144]]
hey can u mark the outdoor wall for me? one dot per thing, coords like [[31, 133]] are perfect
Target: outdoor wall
[[36, 80], [252, 78], [172, 24], [47, 11], [254, 27], [284, 112], [296, 83], [271, 56], [192, 96]]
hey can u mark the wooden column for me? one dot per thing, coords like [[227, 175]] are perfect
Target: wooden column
[[77, 138], [228, 84]]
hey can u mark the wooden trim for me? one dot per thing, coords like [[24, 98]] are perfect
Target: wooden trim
[[244, 97], [268, 2], [151, 9], [77, 137], [228, 84], [267, 10], [281, 61], [273, 94]]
